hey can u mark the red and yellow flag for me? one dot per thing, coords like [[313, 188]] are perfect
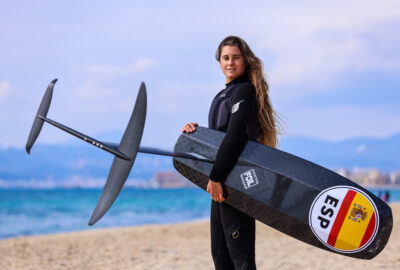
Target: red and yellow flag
[[344, 218]]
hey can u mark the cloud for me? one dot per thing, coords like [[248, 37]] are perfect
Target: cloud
[[6, 90], [104, 88], [172, 98], [309, 48], [91, 91], [96, 101], [15, 115], [340, 122], [103, 72], [315, 42]]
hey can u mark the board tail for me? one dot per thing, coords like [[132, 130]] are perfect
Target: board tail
[[38, 122], [121, 168]]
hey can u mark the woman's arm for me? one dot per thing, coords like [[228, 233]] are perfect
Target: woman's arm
[[243, 110]]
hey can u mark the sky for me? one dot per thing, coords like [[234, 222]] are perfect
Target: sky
[[333, 66]]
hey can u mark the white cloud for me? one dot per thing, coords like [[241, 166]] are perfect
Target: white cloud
[[6, 89], [305, 46], [315, 42], [103, 72], [172, 98], [15, 115], [340, 122], [91, 91], [96, 102], [99, 93]]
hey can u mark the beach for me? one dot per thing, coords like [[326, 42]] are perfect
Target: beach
[[176, 246]]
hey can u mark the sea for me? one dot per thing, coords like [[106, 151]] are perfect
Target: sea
[[34, 211]]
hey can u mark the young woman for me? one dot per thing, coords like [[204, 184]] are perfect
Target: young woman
[[244, 112]]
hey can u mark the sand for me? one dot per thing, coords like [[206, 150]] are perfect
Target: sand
[[178, 246]]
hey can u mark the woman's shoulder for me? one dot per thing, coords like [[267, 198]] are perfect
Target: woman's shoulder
[[245, 89]]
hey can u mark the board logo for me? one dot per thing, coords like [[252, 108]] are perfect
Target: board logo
[[249, 179], [235, 106], [358, 213], [344, 219]]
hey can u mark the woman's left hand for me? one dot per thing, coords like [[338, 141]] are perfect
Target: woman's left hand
[[215, 190]]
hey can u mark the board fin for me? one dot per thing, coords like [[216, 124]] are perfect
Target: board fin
[[121, 168], [38, 122]]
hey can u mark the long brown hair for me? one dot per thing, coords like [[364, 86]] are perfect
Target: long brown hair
[[266, 116]]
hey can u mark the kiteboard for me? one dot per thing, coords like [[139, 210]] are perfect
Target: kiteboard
[[295, 196], [290, 194]]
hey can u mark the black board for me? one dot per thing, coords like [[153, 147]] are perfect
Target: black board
[[295, 196]]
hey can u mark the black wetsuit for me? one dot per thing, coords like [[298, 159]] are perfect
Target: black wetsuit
[[233, 111]]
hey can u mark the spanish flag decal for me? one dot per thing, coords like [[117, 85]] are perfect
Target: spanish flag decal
[[344, 219]]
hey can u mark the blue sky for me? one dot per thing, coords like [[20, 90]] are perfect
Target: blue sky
[[333, 66]]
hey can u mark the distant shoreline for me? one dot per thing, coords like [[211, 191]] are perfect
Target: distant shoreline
[[380, 187], [94, 188], [391, 187]]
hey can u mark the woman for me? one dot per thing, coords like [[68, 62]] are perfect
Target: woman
[[244, 112]]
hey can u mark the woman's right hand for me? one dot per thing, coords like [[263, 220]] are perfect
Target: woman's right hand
[[190, 127]]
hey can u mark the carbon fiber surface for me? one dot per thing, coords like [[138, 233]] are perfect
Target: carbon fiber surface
[[276, 188]]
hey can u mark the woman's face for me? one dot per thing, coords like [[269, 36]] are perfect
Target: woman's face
[[232, 62]]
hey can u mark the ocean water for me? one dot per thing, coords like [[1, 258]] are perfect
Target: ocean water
[[33, 212]]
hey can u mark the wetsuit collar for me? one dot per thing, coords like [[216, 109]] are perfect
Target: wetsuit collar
[[240, 79]]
